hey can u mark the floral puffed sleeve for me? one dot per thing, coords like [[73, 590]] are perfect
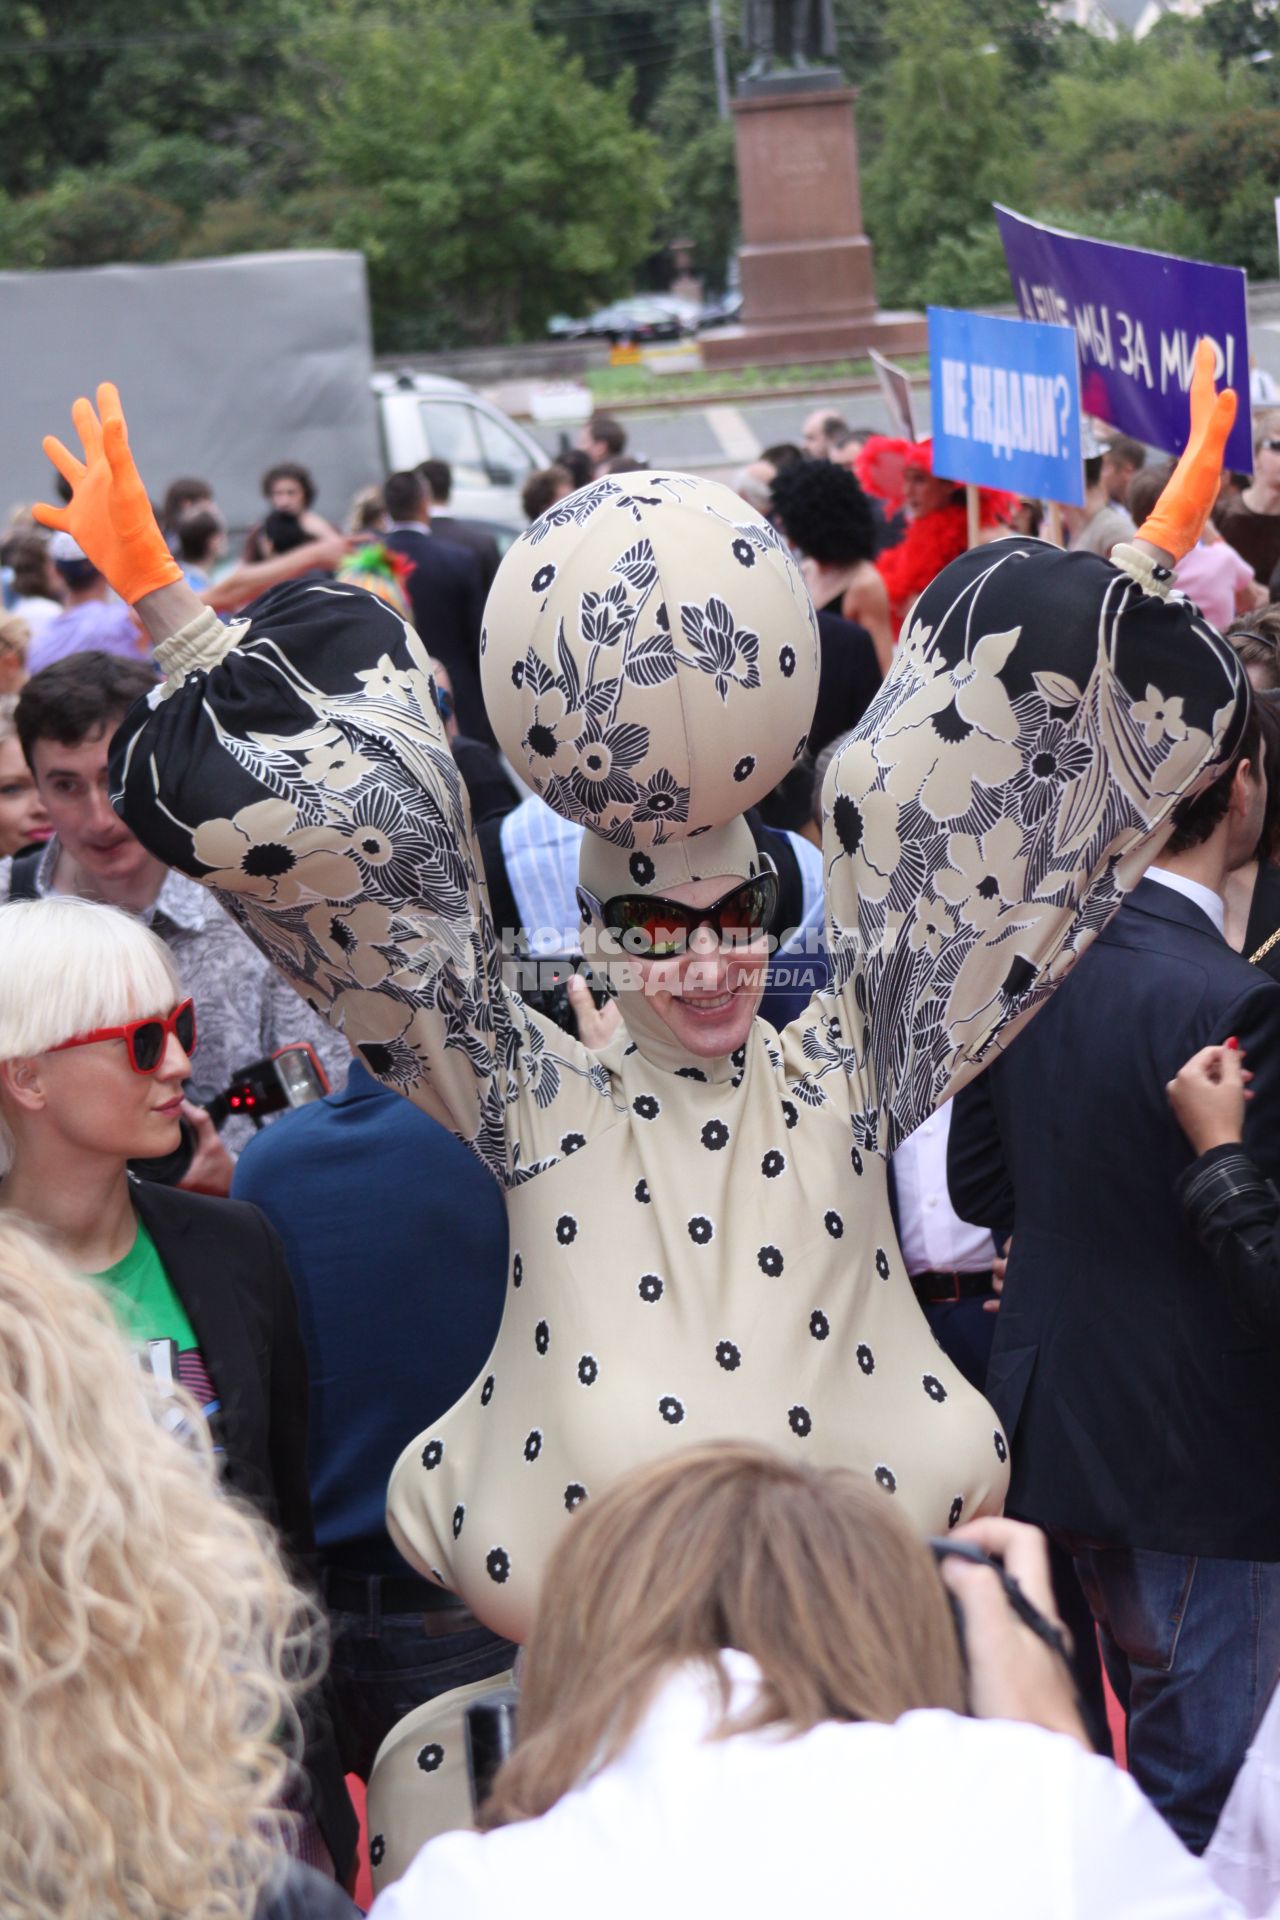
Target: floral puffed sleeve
[[297, 766], [1009, 784]]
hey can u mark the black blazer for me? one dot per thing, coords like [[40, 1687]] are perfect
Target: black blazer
[[227, 1267], [464, 533], [446, 593], [1140, 1410]]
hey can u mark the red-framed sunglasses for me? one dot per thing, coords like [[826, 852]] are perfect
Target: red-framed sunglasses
[[145, 1039]]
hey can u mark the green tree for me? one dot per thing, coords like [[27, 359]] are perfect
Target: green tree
[[494, 183], [952, 136]]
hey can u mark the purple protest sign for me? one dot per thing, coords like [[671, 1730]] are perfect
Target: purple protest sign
[[1137, 316]]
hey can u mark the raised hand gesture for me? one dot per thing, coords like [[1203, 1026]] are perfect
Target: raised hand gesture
[[1177, 519], [109, 514]]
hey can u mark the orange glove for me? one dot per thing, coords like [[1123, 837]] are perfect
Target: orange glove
[[1178, 517], [110, 514]]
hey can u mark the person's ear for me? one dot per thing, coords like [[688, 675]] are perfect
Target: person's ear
[[22, 1084], [1243, 782]]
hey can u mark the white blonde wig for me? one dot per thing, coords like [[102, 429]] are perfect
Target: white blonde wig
[[68, 966], [146, 1631]]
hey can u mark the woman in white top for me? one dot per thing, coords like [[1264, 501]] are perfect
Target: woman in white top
[[744, 1694]]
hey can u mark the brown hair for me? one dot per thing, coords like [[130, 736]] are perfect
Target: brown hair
[[1256, 639], [1145, 489], [809, 1570]]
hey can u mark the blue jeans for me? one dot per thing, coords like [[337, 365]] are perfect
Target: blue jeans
[[384, 1665], [1192, 1649]]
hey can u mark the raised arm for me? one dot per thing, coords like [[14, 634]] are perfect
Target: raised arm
[[1011, 781], [296, 764]]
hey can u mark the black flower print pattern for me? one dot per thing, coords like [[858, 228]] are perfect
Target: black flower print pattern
[[773, 1164], [866, 1359], [651, 1288], [728, 1356], [486, 1391], [432, 1454], [882, 1263], [431, 1757], [588, 1370], [833, 1223], [790, 1113], [701, 1231], [459, 1515], [646, 1106], [533, 1445], [566, 1229], [770, 1261], [819, 1325], [497, 1564], [542, 578], [934, 1387], [671, 1409], [377, 1850], [855, 1158], [542, 1336], [642, 1192], [744, 553], [572, 1142], [715, 1136], [744, 768], [957, 1508], [641, 869], [787, 660], [800, 1422], [574, 1495], [1002, 1450], [662, 799], [517, 1270], [720, 647], [886, 1478]]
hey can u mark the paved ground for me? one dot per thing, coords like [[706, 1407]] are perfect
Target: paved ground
[[717, 439]]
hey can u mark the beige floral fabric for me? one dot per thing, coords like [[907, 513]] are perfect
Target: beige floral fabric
[[650, 659], [698, 1249]]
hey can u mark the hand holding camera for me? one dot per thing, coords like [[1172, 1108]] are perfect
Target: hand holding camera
[[1017, 1650]]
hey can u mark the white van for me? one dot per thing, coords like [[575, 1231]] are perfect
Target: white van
[[424, 416]]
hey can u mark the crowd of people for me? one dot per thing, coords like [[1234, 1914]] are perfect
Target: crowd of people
[[616, 1295]]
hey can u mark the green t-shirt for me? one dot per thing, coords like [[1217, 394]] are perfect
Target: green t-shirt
[[143, 1297]]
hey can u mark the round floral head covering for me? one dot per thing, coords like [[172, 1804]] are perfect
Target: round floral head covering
[[650, 657]]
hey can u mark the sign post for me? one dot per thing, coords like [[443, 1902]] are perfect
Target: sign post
[[1137, 316], [1006, 405]]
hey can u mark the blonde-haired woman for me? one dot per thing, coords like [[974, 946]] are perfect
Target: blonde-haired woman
[[23, 820], [744, 1694], [151, 1645], [95, 1046]]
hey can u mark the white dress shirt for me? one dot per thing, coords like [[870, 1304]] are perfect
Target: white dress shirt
[[1204, 897], [936, 1814], [933, 1237]]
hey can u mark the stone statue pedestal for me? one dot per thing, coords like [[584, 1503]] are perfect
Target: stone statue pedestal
[[808, 284]]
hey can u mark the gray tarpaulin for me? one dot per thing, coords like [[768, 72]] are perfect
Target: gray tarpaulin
[[224, 367]]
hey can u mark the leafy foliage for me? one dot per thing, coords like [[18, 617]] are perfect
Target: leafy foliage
[[497, 160]]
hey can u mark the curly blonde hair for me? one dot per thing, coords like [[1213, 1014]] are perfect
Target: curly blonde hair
[[151, 1644]]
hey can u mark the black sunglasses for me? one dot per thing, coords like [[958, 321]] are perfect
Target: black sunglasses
[[652, 927]]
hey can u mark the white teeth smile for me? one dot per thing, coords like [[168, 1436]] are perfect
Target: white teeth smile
[[707, 1003]]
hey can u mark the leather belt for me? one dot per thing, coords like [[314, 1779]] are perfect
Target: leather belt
[[931, 1289]]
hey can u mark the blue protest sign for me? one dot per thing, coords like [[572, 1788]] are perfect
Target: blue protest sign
[[1137, 316], [1006, 404]]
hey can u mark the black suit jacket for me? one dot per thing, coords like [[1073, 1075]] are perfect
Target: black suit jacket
[[446, 593], [1140, 1410], [227, 1267], [462, 533]]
